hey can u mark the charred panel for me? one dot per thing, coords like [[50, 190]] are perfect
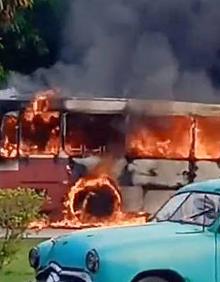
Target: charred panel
[[88, 134]]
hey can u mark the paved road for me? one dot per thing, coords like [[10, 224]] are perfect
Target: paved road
[[45, 233]]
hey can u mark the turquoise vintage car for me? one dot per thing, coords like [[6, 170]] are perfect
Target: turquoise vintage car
[[181, 243]]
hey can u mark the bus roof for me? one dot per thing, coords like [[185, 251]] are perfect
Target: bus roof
[[120, 105], [146, 107]]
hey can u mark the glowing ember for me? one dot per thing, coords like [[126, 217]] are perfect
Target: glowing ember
[[40, 129], [160, 137], [8, 146]]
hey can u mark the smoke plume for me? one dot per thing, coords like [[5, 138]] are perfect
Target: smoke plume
[[144, 48]]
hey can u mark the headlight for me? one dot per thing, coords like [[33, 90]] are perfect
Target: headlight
[[92, 261], [34, 258]]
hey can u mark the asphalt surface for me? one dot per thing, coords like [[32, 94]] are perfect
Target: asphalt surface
[[45, 233]]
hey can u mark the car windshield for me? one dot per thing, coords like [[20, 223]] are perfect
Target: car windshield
[[194, 208]]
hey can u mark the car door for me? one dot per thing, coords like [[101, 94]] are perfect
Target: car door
[[217, 255]]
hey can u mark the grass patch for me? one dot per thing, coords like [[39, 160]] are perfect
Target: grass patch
[[19, 270]]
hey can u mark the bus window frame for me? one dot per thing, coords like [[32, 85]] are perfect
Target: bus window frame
[[4, 117], [100, 150], [21, 156], [135, 118]]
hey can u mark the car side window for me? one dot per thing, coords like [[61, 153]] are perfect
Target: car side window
[[199, 208]]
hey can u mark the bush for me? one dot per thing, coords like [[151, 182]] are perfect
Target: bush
[[18, 208]]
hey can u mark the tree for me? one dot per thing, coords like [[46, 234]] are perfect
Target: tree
[[31, 39], [8, 9], [18, 208]]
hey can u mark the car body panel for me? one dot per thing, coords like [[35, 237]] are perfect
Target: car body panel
[[209, 186], [124, 252], [127, 251]]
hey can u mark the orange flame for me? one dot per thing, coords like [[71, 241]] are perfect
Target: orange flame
[[40, 127], [40, 130], [91, 188], [161, 137], [8, 146], [207, 138], [97, 190], [92, 185]]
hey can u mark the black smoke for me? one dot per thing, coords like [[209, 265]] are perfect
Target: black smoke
[[162, 49]]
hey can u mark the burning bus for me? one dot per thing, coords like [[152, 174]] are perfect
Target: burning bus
[[136, 153]]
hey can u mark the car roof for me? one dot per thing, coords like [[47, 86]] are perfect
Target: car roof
[[208, 186]]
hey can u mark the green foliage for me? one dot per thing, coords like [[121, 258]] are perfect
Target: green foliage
[[32, 38], [19, 270], [3, 75], [8, 9], [18, 208]]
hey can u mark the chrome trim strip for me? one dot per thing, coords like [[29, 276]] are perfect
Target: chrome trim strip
[[80, 274]]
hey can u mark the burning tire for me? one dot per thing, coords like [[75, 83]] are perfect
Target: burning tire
[[94, 199]]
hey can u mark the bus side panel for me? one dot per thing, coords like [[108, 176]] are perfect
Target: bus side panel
[[40, 174], [9, 174]]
